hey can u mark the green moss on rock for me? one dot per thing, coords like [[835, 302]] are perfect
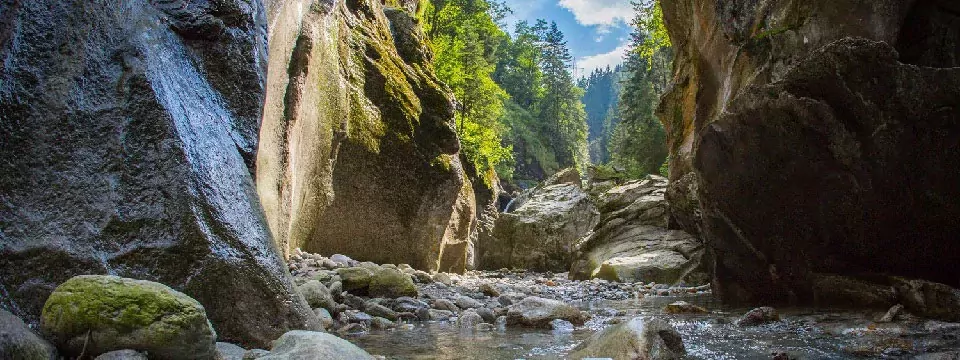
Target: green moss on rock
[[117, 313]]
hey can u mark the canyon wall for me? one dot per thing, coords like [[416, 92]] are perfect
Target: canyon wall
[[358, 154], [816, 138], [129, 133]]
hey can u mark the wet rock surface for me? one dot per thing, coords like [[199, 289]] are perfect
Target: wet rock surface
[[17, 338], [129, 131]]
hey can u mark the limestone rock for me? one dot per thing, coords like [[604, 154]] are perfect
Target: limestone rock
[[539, 312], [17, 338], [543, 233], [129, 132], [357, 129], [631, 243], [107, 313], [307, 345], [803, 141], [638, 338]]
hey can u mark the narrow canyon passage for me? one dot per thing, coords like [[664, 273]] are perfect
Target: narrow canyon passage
[[477, 179]]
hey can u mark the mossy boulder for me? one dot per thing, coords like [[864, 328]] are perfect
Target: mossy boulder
[[107, 313], [377, 282]]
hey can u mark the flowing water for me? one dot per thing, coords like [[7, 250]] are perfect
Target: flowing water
[[803, 334]]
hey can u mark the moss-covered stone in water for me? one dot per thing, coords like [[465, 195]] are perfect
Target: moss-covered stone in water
[[112, 313]]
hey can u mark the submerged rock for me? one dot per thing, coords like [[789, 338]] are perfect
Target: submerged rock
[[683, 307], [638, 338], [95, 314], [759, 316], [307, 345], [539, 312], [16, 338]]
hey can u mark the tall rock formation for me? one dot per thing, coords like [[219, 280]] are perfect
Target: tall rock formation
[[816, 137], [358, 154], [127, 132]]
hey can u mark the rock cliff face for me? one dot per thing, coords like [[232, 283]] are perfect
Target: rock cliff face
[[358, 152], [812, 137], [128, 137]]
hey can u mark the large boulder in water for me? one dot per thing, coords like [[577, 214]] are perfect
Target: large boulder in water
[[817, 138], [95, 314], [129, 133], [631, 243], [308, 345], [543, 233], [358, 152], [639, 338]]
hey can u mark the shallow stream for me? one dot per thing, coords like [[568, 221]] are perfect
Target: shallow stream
[[803, 334]]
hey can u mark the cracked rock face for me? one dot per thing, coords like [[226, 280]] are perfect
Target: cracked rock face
[[129, 134], [812, 138]]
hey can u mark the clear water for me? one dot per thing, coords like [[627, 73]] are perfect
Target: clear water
[[804, 334]]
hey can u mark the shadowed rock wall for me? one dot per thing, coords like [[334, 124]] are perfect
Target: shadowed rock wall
[[815, 137], [128, 137]]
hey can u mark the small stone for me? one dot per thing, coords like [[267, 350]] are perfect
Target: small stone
[[382, 323], [308, 345], [440, 315], [443, 304], [759, 316], [487, 315], [683, 307], [505, 301], [352, 329], [317, 295], [465, 302], [891, 314], [378, 310], [469, 320], [341, 259], [539, 312], [443, 278], [489, 290]]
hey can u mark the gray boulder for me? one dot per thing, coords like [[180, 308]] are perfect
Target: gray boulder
[[17, 338], [539, 312], [308, 345], [929, 299], [639, 338], [95, 314], [632, 243], [228, 351], [543, 233]]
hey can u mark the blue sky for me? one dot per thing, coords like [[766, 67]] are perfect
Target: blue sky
[[596, 30]]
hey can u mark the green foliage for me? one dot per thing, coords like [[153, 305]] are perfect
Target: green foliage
[[601, 100], [665, 168], [638, 141], [465, 37]]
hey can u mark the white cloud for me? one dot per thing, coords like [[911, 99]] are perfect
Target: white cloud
[[588, 64], [599, 12]]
